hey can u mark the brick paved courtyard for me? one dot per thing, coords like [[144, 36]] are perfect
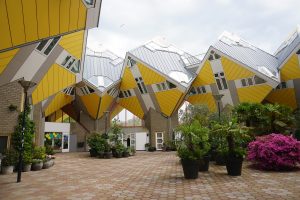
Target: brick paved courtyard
[[144, 176]]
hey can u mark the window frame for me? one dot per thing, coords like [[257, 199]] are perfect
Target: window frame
[[221, 81]]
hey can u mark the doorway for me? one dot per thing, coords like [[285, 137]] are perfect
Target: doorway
[[159, 139]]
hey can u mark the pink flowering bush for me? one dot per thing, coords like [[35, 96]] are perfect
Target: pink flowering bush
[[274, 152]]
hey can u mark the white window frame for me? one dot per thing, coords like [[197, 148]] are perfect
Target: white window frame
[[247, 81], [85, 90], [221, 79], [68, 91], [141, 85], [42, 51], [156, 138]]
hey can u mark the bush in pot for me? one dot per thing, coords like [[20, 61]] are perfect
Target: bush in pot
[[152, 149], [274, 152], [126, 152], [119, 148], [39, 154], [236, 136], [94, 141], [203, 137], [9, 161], [188, 148], [147, 145], [27, 161]]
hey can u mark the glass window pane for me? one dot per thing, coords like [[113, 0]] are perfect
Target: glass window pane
[[192, 91], [71, 63], [221, 73], [203, 89], [250, 82], [258, 80], [129, 93], [283, 85], [163, 86], [158, 87], [66, 60], [198, 90], [216, 75], [42, 45], [224, 83], [144, 87], [243, 82], [219, 84], [159, 135], [51, 45], [140, 88]]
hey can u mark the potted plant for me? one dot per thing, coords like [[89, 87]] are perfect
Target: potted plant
[[8, 162], [126, 152], [132, 151], [188, 148], [47, 162], [118, 149], [27, 161], [39, 154], [94, 141], [236, 137], [152, 149], [203, 137], [147, 145]]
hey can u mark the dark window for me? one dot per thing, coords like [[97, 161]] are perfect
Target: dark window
[[250, 82], [219, 84], [42, 45], [224, 83], [198, 90], [125, 93], [76, 68], [51, 45], [203, 89], [121, 94], [163, 86], [244, 84], [72, 91], [129, 93], [283, 85], [210, 57], [217, 56], [171, 85], [258, 80], [3, 143], [66, 60], [141, 85], [89, 2], [91, 90], [71, 63], [298, 52], [192, 91]]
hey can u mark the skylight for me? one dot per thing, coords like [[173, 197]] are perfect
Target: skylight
[[180, 76], [100, 81], [234, 40], [267, 72], [288, 41]]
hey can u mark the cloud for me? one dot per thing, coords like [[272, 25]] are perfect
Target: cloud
[[193, 25]]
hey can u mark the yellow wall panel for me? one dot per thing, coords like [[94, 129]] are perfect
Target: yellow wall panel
[[234, 71], [47, 87], [59, 101], [81, 15], [105, 103], [128, 81], [6, 57], [284, 96], [291, 70], [205, 99], [91, 102], [54, 6], [205, 76], [254, 94], [5, 39], [64, 15], [117, 109], [43, 18], [73, 43], [168, 100], [30, 20], [74, 15], [132, 104], [149, 75], [15, 17]]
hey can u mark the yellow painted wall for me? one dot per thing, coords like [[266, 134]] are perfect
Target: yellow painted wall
[[59, 101], [255, 93], [73, 43], [128, 81], [24, 21], [283, 96], [132, 104], [150, 76], [56, 79], [91, 102], [5, 37], [117, 109], [6, 57], [291, 70], [105, 103], [234, 71], [168, 100], [205, 76], [205, 99]]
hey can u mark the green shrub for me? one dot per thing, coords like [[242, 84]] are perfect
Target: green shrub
[[39, 153], [27, 157], [10, 159], [97, 143], [49, 150]]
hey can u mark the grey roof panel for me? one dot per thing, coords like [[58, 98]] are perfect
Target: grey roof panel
[[288, 46], [251, 56], [168, 60], [102, 68]]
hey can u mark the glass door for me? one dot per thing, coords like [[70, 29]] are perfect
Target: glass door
[[65, 142], [159, 140], [132, 140]]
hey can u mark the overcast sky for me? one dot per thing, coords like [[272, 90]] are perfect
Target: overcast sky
[[193, 25]]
